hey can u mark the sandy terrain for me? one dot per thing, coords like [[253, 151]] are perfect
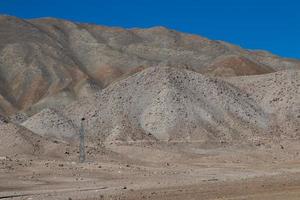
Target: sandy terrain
[[151, 171]]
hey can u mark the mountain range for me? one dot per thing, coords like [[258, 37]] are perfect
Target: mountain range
[[152, 84]]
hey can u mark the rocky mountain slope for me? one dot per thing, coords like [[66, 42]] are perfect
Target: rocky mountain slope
[[169, 104], [49, 63], [278, 94], [17, 140]]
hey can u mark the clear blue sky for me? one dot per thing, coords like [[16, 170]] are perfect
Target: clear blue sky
[[272, 25]]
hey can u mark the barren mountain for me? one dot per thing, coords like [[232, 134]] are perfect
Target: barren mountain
[[278, 94], [169, 104], [168, 115], [48, 63]]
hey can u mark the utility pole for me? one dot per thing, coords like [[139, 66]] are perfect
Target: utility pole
[[81, 145]]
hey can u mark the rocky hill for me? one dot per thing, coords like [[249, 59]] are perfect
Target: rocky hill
[[49, 63], [17, 140], [278, 94], [170, 104]]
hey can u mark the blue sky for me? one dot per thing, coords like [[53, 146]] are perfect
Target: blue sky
[[273, 25]]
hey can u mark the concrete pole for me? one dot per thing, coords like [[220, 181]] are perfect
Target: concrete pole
[[81, 145]]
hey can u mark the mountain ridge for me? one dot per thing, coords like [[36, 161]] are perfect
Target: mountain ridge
[[49, 63], [171, 104]]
